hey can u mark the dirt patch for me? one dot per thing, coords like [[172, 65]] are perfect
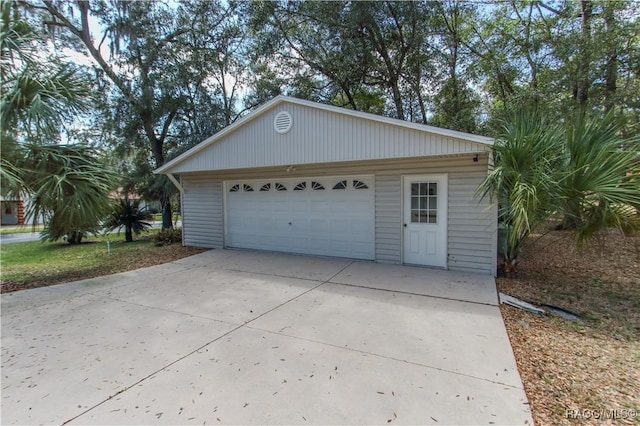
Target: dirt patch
[[579, 373]]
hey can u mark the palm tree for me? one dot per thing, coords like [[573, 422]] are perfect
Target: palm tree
[[37, 93], [601, 186], [128, 215], [67, 183], [584, 172], [69, 186], [524, 179]]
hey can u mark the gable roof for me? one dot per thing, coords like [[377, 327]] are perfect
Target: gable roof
[[279, 100]]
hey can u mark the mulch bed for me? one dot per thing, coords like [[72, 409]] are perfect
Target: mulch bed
[[579, 373]]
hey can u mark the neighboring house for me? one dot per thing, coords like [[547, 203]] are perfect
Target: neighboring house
[[301, 177], [12, 211]]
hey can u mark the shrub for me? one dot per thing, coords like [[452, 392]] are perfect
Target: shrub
[[127, 214], [168, 236]]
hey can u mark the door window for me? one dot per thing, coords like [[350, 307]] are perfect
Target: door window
[[424, 202]]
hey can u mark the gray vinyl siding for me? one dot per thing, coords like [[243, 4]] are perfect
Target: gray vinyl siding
[[202, 212], [388, 218], [472, 223], [320, 136], [472, 231], [471, 226]]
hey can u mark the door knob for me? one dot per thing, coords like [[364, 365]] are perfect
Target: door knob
[[405, 225]]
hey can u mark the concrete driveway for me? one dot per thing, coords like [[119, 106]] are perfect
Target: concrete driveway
[[234, 337]]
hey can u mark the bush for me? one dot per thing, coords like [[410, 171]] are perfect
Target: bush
[[168, 236], [127, 214]]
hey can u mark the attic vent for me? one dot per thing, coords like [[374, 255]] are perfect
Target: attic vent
[[283, 122]]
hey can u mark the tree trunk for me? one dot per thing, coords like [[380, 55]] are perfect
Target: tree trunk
[[397, 97], [128, 234], [165, 202], [166, 211], [581, 93], [75, 237], [423, 109], [611, 69]]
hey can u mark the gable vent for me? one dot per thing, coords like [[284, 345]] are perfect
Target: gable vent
[[283, 122]]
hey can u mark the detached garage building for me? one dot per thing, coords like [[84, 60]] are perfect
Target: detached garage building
[[301, 177]]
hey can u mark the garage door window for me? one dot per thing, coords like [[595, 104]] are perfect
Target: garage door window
[[422, 200], [358, 184], [340, 185]]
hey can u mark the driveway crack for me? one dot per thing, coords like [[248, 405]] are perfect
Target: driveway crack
[[444, 370], [121, 391]]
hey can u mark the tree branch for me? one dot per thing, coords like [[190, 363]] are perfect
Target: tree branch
[[84, 34]]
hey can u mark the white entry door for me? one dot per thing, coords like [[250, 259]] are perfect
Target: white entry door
[[425, 220], [330, 216]]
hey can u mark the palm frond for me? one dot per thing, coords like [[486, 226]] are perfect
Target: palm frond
[[602, 186], [69, 185], [524, 177], [127, 214]]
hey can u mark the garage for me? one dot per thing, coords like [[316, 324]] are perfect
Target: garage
[[296, 176], [328, 216]]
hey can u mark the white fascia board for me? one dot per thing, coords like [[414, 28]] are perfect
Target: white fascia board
[[338, 110]]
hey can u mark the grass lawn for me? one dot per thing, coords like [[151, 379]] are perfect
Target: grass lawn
[[569, 368], [37, 264]]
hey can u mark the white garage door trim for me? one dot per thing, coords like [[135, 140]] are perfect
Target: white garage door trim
[[326, 216]]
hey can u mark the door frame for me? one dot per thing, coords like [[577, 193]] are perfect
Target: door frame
[[443, 212]]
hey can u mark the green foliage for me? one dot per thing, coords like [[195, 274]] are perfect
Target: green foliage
[[560, 56], [583, 171], [66, 183], [456, 106], [68, 186], [171, 77], [347, 53], [601, 188], [127, 214], [527, 157], [168, 236], [366, 100], [38, 91]]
